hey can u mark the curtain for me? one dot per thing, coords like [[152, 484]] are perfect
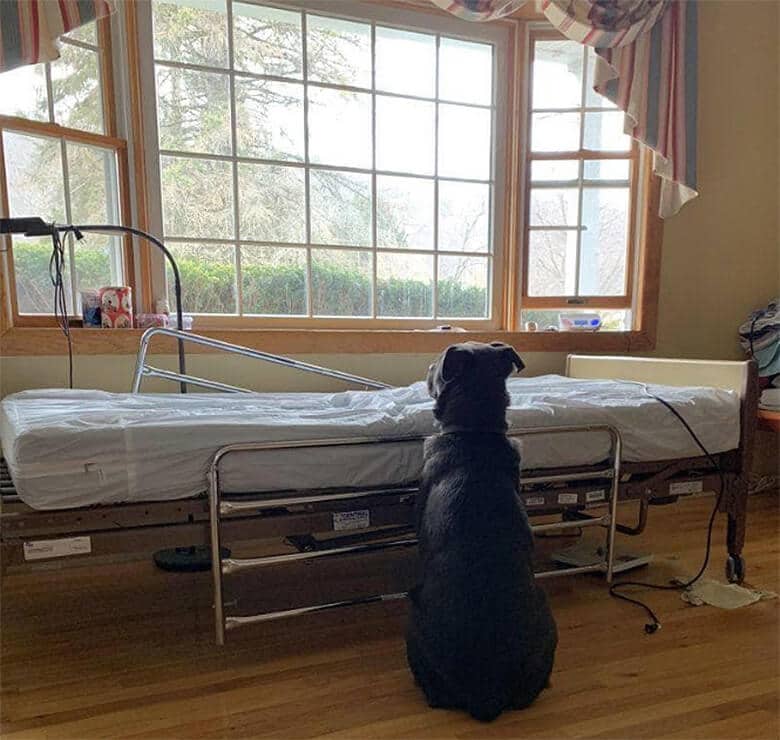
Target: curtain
[[29, 29], [480, 10], [647, 67]]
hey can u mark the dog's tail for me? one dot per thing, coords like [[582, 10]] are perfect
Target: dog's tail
[[485, 712], [486, 707]]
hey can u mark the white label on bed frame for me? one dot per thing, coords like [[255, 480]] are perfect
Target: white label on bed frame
[[43, 549], [534, 500], [686, 486], [599, 495], [568, 498], [351, 519]]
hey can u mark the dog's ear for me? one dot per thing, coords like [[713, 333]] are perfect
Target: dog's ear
[[447, 367], [516, 359], [510, 356], [454, 362]]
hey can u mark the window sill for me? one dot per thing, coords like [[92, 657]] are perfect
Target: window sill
[[22, 341]]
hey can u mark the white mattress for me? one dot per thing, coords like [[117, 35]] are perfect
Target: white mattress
[[77, 448]]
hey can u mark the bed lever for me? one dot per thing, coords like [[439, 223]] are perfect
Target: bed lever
[[579, 516]]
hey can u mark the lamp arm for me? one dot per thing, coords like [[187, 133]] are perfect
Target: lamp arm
[[112, 228]]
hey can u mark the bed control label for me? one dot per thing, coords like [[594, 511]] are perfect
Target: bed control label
[[351, 519], [44, 549], [534, 500], [568, 498], [592, 496], [686, 486]]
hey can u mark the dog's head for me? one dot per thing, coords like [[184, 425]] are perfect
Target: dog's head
[[468, 383]]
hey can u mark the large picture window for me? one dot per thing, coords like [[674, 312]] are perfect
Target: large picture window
[[334, 164], [325, 167]]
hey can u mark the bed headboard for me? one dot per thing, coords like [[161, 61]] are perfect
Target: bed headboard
[[729, 375]]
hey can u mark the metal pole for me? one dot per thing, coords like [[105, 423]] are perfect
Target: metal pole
[[613, 504], [154, 372], [140, 362], [216, 554], [267, 357], [113, 228]]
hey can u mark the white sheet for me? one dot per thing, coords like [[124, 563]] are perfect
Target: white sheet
[[76, 448]]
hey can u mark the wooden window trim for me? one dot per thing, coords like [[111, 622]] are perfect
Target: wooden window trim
[[9, 309], [18, 341], [638, 162], [501, 180]]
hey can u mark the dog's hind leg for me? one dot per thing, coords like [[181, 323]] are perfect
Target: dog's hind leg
[[426, 677], [536, 676]]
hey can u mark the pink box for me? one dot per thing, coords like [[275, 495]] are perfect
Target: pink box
[[116, 307], [149, 320]]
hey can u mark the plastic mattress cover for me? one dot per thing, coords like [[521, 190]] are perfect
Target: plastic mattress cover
[[72, 448]]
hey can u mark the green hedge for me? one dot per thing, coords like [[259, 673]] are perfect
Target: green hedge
[[208, 287]]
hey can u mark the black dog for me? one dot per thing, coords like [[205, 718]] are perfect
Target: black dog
[[481, 636]]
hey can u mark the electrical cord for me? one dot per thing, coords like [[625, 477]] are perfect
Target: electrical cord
[[56, 274], [654, 625]]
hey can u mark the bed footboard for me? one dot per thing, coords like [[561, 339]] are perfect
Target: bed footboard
[[740, 377]]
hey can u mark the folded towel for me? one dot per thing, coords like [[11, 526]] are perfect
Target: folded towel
[[770, 399]]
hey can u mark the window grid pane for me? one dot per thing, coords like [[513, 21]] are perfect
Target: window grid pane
[[81, 187], [559, 187], [341, 190], [69, 92]]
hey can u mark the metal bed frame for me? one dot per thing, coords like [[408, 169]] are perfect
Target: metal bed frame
[[570, 492], [144, 370], [219, 507]]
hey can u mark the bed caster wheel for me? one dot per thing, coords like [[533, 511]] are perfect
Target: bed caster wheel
[[735, 569]]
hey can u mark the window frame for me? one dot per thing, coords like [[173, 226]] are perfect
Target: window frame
[[637, 163], [407, 17], [109, 140], [27, 341]]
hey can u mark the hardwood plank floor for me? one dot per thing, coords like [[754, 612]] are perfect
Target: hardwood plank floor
[[127, 651]]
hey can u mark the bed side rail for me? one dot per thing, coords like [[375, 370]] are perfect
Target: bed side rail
[[220, 508], [144, 370], [725, 374]]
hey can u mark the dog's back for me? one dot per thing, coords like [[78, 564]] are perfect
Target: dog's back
[[481, 636]]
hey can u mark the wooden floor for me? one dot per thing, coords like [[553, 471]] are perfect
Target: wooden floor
[[127, 651]]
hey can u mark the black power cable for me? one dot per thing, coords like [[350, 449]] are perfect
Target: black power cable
[[36, 226], [56, 274], [654, 625]]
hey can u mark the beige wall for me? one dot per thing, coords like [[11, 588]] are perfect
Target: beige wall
[[721, 254], [115, 373]]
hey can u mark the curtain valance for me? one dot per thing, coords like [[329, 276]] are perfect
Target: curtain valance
[[29, 29], [647, 56]]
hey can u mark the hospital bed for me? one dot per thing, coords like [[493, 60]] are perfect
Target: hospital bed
[[100, 475]]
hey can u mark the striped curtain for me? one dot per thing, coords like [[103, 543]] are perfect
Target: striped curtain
[[646, 66], [29, 29], [480, 10]]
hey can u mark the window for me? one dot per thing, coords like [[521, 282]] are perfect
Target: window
[[67, 182], [581, 167], [67, 91], [336, 164], [327, 167], [60, 164]]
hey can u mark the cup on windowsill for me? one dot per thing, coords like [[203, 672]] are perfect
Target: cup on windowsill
[[90, 309], [116, 307]]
